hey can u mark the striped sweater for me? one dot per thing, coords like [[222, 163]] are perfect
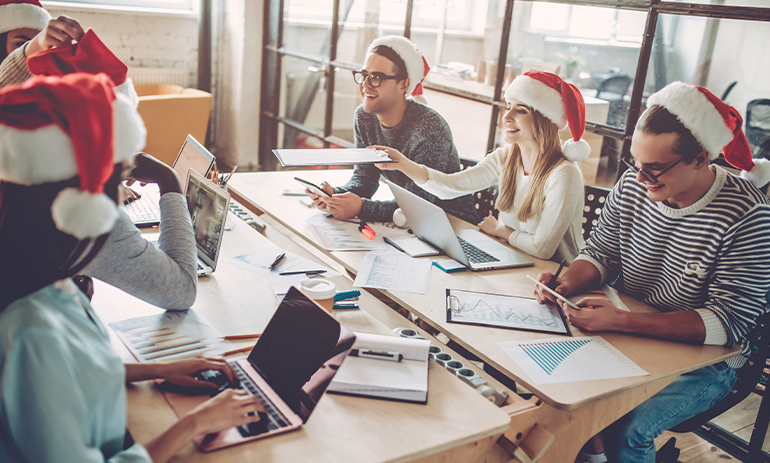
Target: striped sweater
[[712, 257]]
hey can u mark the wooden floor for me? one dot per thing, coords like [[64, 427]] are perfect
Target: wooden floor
[[739, 420]]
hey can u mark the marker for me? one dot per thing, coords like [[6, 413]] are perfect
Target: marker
[[392, 243], [553, 284], [367, 231], [377, 355], [342, 295], [276, 261], [558, 296], [306, 272], [345, 305]]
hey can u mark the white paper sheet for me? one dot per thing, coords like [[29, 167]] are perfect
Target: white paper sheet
[[394, 271], [550, 361], [337, 235], [170, 336], [329, 157]]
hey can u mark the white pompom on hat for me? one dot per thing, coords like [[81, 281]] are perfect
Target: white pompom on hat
[[717, 126], [55, 128], [557, 100], [416, 64], [22, 14]]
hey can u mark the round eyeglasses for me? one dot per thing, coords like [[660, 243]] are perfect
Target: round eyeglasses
[[652, 178], [375, 78]]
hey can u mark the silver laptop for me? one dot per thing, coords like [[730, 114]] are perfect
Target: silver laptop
[[208, 205], [471, 248], [145, 211]]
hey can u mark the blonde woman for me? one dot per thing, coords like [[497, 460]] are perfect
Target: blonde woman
[[541, 186]]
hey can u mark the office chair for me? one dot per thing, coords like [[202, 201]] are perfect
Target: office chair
[[484, 200], [595, 199], [612, 90], [747, 378], [758, 127]]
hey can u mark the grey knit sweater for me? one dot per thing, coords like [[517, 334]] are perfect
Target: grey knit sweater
[[422, 136]]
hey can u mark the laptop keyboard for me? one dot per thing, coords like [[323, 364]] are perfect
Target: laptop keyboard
[[276, 420], [141, 211], [476, 255]]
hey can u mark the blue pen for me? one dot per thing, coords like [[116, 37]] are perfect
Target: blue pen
[[342, 295]]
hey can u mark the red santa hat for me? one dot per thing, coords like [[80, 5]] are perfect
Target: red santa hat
[[53, 129], [717, 126], [22, 14], [416, 65], [559, 101], [89, 55]]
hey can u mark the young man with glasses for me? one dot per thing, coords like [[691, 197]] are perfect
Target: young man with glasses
[[392, 70], [687, 238]]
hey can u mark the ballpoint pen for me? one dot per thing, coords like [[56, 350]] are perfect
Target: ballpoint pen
[[306, 272], [392, 243], [553, 284], [276, 261]]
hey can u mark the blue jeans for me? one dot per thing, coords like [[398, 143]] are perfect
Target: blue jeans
[[631, 438]]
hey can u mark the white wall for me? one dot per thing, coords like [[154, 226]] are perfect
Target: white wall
[[144, 40]]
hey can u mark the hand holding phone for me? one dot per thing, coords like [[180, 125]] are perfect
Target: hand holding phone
[[558, 296], [313, 187]]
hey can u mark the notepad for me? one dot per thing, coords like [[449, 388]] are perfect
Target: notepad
[[330, 157], [415, 247], [406, 380]]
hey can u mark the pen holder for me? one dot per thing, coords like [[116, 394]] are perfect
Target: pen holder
[[433, 351], [454, 366], [407, 333]]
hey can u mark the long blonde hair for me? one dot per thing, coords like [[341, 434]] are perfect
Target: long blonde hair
[[549, 156]]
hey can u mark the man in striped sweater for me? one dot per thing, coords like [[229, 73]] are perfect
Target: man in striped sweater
[[687, 238]]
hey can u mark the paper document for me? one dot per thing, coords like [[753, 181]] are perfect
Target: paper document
[[405, 380], [550, 361], [337, 235], [415, 247], [396, 272], [170, 336], [330, 157], [259, 260]]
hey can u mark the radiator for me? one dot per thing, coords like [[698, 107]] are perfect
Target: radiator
[[180, 77]]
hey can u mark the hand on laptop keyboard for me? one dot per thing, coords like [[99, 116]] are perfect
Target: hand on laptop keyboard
[[231, 408], [217, 378]]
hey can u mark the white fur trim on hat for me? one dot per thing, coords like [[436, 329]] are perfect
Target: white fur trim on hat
[[576, 150], [540, 97], [83, 214], [759, 175], [31, 157], [127, 89], [415, 68], [128, 133], [696, 113], [22, 16]]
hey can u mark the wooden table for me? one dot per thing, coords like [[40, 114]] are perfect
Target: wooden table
[[457, 424], [664, 360]]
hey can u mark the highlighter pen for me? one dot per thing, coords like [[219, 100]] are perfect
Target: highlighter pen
[[367, 231], [377, 355], [553, 284]]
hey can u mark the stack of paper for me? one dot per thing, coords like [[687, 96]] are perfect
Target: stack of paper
[[406, 380]]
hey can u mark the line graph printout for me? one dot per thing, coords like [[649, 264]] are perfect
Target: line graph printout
[[504, 312], [550, 361]]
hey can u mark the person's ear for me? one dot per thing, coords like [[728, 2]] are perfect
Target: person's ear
[[404, 85], [702, 159]]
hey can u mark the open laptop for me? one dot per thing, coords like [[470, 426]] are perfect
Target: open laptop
[[469, 247], [145, 211], [289, 369], [208, 205]]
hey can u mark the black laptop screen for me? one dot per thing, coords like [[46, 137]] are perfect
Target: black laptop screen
[[300, 351]]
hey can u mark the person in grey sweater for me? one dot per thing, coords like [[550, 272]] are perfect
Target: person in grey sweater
[[392, 70]]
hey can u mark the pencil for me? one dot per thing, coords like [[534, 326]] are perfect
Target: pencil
[[233, 337], [238, 351]]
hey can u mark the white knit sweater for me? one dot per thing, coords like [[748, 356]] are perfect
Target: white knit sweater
[[553, 234]]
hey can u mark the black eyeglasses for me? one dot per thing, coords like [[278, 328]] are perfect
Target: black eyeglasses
[[652, 178], [375, 78]]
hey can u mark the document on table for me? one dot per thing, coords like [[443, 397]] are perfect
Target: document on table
[[550, 361], [259, 260], [394, 271], [338, 235], [170, 336], [330, 157]]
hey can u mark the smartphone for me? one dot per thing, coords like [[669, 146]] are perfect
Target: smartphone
[[312, 187], [558, 296]]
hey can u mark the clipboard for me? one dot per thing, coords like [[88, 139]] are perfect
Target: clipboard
[[330, 157], [502, 311]]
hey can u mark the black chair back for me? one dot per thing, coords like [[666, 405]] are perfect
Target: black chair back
[[594, 202], [758, 127], [484, 200]]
